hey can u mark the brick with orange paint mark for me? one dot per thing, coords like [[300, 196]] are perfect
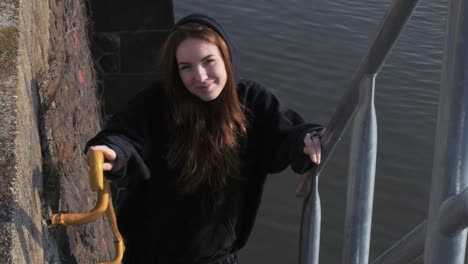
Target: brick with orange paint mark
[[104, 244], [81, 78], [75, 39]]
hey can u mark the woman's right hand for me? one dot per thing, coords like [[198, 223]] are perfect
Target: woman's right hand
[[109, 156]]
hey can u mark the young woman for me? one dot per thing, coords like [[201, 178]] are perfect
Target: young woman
[[195, 150]]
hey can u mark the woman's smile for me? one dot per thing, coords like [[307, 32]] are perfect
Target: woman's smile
[[205, 87]]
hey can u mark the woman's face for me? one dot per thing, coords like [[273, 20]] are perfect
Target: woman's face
[[201, 68]]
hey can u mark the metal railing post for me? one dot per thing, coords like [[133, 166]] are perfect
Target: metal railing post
[[357, 101], [311, 220], [361, 178], [450, 171]]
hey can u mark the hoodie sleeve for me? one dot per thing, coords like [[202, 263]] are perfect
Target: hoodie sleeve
[[281, 132], [127, 134]]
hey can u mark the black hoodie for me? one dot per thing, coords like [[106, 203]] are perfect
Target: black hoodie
[[162, 225]]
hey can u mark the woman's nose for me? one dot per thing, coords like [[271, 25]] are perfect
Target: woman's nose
[[200, 74]]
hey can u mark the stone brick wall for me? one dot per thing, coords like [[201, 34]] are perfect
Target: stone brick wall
[[24, 43], [48, 110], [126, 40]]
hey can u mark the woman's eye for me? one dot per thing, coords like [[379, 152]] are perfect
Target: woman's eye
[[185, 67], [208, 61]]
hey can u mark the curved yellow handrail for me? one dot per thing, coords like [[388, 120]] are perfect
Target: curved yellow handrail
[[87, 217], [96, 171], [118, 243], [103, 205]]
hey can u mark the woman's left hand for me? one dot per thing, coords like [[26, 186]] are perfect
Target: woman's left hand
[[313, 148]]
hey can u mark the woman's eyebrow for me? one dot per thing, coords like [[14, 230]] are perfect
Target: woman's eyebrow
[[204, 58], [207, 57]]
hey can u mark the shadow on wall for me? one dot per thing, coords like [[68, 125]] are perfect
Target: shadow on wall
[[55, 241], [13, 214]]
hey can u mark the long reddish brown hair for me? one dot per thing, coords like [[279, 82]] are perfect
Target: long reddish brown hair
[[204, 140]]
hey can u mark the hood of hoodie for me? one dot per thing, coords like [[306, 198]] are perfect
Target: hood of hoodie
[[213, 24]]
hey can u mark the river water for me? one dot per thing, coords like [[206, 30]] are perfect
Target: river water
[[306, 52]]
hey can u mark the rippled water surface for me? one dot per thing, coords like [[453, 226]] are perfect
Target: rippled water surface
[[306, 52]]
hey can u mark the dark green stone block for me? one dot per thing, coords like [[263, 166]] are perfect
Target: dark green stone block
[[120, 89], [124, 15], [139, 50]]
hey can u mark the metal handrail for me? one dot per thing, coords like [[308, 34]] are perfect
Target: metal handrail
[[443, 237], [444, 234], [97, 184], [450, 166], [407, 249], [387, 34], [103, 205], [359, 93]]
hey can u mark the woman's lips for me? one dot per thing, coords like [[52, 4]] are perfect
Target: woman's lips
[[204, 87]]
